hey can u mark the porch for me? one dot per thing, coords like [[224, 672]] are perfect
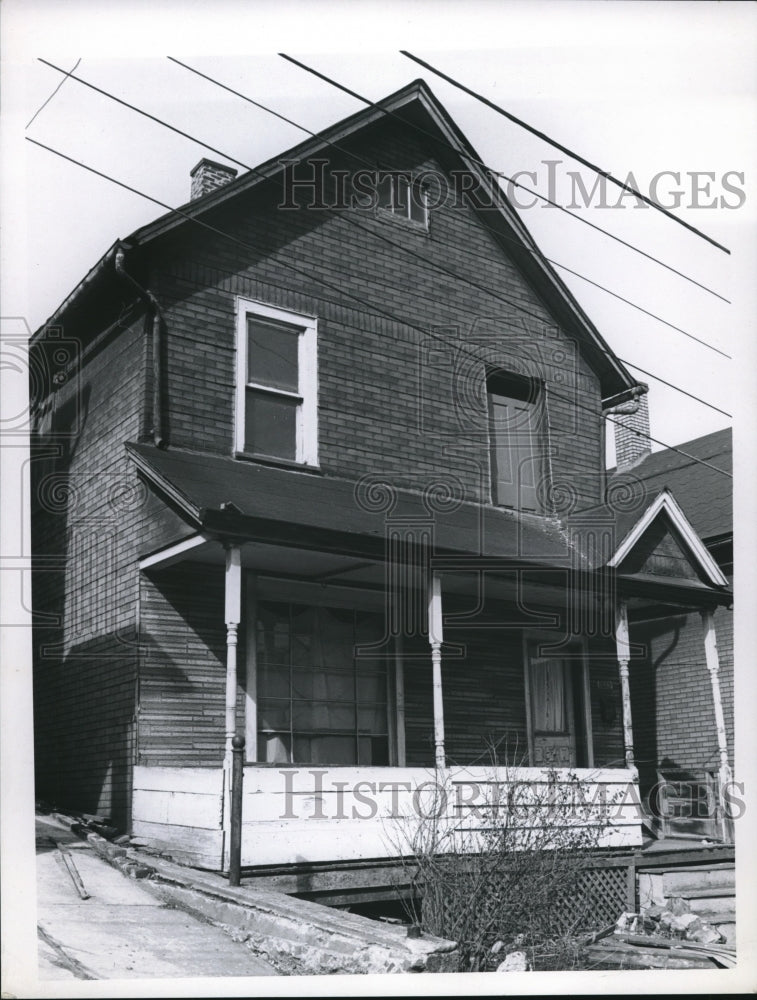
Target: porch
[[424, 643]]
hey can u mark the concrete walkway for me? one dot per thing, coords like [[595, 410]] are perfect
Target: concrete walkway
[[121, 931]]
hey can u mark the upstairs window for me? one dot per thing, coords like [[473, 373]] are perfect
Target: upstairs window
[[514, 440], [403, 197], [276, 396]]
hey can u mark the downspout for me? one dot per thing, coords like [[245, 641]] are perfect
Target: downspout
[[157, 344]]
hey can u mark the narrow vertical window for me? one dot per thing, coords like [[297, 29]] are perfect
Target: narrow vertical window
[[514, 445], [276, 405]]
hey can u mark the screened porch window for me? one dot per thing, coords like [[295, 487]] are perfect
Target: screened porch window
[[319, 703]]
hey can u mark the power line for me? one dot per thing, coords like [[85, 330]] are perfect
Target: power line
[[44, 105], [353, 222], [490, 170], [219, 152], [340, 291], [535, 251], [141, 111], [564, 149], [670, 447]]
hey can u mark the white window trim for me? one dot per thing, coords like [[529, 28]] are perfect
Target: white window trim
[[306, 452], [395, 211]]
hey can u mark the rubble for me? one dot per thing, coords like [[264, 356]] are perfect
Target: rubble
[[516, 961], [662, 937]]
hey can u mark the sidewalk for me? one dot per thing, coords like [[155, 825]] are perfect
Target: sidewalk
[[122, 930], [265, 932]]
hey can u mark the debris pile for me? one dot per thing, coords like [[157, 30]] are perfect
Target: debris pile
[[661, 937]]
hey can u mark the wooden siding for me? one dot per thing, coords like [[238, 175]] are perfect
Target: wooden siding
[[296, 815], [183, 667], [179, 810]]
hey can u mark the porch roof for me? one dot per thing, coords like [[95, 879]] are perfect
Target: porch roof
[[224, 496], [227, 498]]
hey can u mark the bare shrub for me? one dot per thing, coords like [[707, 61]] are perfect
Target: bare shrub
[[503, 860]]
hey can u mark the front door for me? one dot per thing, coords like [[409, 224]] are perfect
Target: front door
[[552, 713]]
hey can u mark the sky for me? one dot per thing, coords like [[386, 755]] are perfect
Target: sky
[[654, 89]]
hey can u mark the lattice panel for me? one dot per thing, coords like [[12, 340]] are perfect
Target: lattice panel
[[597, 898]]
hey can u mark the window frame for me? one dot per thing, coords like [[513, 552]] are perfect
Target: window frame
[[306, 418], [531, 392], [256, 748], [394, 209]]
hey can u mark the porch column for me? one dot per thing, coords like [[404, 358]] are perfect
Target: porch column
[[713, 665], [623, 646], [233, 608], [435, 638]]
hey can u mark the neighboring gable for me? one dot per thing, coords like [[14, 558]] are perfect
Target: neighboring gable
[[663, 543], [659, 553]]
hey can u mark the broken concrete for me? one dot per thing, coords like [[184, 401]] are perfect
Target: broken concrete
[[296, 936]]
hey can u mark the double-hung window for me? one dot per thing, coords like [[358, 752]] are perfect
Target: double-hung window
[[277, 384]]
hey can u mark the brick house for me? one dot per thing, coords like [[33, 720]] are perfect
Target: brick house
[[676, 733], [319, 460]]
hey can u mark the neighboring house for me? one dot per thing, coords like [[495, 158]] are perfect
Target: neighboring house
[[329, 473], [675, 723]]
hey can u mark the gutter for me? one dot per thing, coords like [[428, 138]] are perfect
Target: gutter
[[157, 343], [91, 278], [625, 402]]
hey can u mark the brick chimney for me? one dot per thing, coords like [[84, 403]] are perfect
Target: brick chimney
[[209, 175], [632, 444]]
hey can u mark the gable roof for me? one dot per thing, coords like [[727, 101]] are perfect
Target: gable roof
[[704, 495], [412, 104], [665, 506]]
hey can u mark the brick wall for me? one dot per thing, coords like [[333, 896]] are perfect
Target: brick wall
[[86, 509], [674, 721], [393, 399]]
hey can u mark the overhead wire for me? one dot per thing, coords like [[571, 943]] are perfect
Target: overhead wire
[[354, 222], [488, 169], [289, 121], [340, 290], [534, 251], [219, 152], [564, 149]]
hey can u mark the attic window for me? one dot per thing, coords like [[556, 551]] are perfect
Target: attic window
[[403, 197]]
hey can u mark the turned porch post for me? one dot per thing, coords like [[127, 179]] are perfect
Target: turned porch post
[[623, 646], [435, 638], [233, 608], [713, 665]]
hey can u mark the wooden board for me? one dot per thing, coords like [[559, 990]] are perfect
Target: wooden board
[[193, 846]]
